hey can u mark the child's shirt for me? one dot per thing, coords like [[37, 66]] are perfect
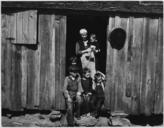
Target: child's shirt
[[96, 45], [99, 90], [86, 85], [72, 87]]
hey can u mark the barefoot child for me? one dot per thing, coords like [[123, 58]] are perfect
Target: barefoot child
[[98, 96], [72, 92]]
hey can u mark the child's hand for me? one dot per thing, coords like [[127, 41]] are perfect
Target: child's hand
[[93, 47], [88, 50], [89, 93]]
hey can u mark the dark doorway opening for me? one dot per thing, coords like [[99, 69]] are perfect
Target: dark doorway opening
[[93, 24]]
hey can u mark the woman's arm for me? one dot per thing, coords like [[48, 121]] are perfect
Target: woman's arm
[[80, 52]]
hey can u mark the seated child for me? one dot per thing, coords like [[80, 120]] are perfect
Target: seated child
[[98, 95], [86, 82], [72, 92]]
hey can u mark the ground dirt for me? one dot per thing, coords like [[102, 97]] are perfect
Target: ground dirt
[[47, 120]]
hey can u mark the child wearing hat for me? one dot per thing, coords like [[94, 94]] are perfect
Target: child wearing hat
[[98, 95], [72, 92]]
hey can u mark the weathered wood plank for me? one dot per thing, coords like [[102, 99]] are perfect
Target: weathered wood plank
[[57, 62], [24, 76], [118, 70], [8, 64], [150, 65], [126, 24], [32, 75], [51, 71], [136, 64], [127, 7], [110, 69], [37, 62], [16, 78], [46, 45], [15, 56], [143, 65], [62, 28], [125, 100], [52, 64], [13, 27], [25, 27], [19, 29], [158, 105], [3, 58], [32, 26], [128, 91], [13, 64]]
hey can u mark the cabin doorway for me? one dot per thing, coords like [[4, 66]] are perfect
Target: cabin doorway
[[93, 24]]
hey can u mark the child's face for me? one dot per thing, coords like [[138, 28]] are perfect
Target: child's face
[[92, 39], [73, 74], [84, 36], [87, 74], [99, 79]]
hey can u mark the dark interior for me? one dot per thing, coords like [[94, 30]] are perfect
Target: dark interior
[[93, 24]]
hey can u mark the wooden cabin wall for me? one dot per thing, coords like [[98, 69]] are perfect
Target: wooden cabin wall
[[33, 75], [134, 73]]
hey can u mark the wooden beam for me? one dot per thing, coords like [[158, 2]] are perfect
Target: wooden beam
[[112, 6]]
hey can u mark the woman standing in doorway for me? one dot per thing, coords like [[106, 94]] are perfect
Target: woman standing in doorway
[[86, 53]]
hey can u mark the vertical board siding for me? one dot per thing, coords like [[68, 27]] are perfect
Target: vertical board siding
[[46, 79], [52, 29], [16, 78], [8, 62], [158, 108], [45, 41], [131, 72], [37, 63], [62, 59], [143, 65], [33, 73], [52, 64], [150, 66], [24, 76], [3, 56], [135, 64], [32, 29], [57, 62], [60, 47], [109, 100]]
